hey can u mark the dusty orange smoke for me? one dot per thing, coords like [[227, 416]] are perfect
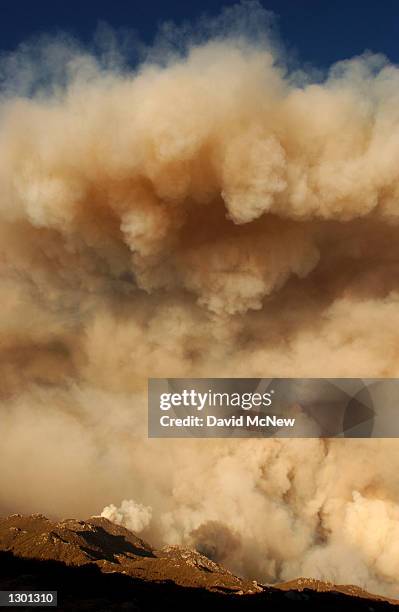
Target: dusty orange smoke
[[207, 218]]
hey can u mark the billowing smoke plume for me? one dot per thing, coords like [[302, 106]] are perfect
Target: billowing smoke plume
[[209, 213], [133, 516]]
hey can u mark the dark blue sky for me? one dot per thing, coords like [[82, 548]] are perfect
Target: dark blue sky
[[320, 31]]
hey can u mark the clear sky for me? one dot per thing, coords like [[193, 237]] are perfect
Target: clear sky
[[320, 31]]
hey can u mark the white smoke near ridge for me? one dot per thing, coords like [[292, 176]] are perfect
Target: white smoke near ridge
[[135, 517], [207, 215]]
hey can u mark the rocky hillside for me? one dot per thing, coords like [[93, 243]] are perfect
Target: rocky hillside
[[96, 565]]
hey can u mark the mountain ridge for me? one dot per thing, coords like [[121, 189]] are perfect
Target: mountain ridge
[[94, 554]]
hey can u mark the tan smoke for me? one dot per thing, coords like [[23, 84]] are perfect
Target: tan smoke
[[213, 215]]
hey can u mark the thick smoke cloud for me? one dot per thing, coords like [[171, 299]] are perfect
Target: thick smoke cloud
[[210, 214]]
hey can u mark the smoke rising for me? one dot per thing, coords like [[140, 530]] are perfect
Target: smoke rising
[[133, 516], [209, 213]]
